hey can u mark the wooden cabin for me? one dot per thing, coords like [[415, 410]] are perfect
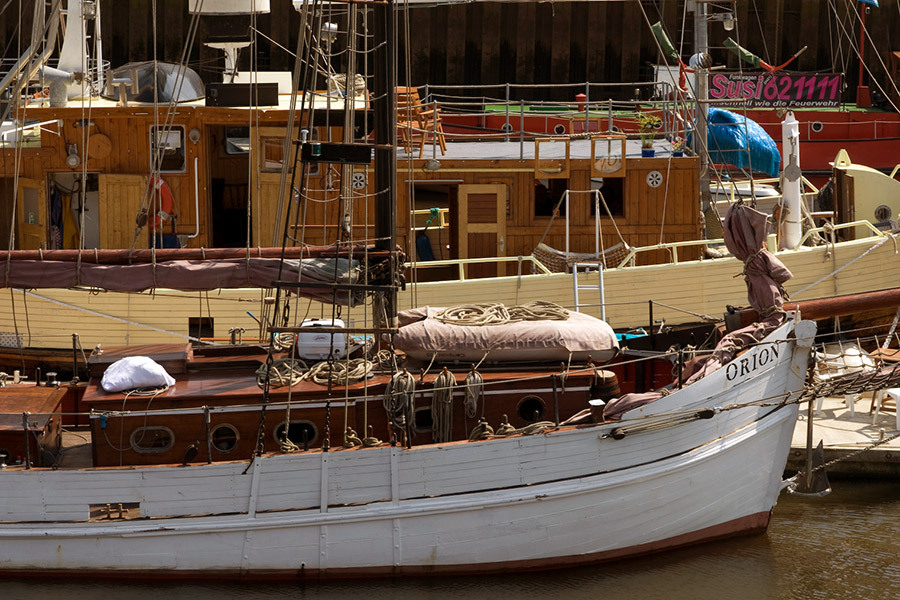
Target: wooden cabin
[[159, 428], [495, 198]]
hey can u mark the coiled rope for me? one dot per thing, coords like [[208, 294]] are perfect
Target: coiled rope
[[442, 407], [284, 371], [474, 390], [339, 373], [494, 313], [398, 399]]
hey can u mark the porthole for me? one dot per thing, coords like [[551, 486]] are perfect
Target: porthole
[[506, 127], [882, 213], [615, 129], [152, 440], [297, 431], [423, 419], [224, 438], [817, 126], [530, 409], [559, 129]]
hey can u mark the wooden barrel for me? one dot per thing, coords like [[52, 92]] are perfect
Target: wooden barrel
[[605, 386]]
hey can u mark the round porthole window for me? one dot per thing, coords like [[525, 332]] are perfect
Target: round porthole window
[[882, 213], [152, 440], [299, 432], [224, 438], [559, 129], [530, 409], [817, 126]]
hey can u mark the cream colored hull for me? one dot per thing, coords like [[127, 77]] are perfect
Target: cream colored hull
[[47, 318]]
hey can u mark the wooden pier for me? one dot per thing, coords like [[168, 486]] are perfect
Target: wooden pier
[[847, 438]]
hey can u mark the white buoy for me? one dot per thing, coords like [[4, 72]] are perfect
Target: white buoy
[[789, 236]]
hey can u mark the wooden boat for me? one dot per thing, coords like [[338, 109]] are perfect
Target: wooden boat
[[699, 459], [490, 222]]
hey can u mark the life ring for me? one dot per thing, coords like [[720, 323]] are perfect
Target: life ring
[[166, 212]]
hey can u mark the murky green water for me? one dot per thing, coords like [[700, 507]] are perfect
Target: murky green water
[[845, 546]]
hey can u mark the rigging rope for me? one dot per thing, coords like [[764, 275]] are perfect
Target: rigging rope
[[398, 399], [442, 407], [474, 390]]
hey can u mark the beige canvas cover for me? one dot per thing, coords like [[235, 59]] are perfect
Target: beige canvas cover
[[421, 336]]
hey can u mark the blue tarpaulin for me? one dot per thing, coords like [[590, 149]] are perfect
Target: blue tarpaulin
[[730, 135]]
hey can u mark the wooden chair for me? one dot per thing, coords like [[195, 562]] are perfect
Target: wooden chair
[[409, 119], [418, 123], [433, 130]]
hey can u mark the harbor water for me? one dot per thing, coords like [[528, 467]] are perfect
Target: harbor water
[[843, 546]]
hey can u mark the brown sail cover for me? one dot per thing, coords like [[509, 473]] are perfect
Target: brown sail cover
[[184, 275], [745, 231]]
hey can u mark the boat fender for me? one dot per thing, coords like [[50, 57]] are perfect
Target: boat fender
[[166, 212]]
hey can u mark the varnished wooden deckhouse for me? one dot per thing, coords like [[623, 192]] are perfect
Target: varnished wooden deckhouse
[[223, 166]]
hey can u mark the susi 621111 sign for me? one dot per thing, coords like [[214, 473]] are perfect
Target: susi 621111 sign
[[778, 89]]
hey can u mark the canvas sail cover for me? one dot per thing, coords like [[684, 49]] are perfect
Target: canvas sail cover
[[175, 83], [745, 232], [422, 336], [188, 275]]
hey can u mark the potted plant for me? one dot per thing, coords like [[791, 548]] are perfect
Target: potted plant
[[647, 125], [678, 146]]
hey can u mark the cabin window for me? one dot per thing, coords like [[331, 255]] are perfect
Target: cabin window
[[200, 327], [27, 135], [237, 141], [297, 431], [152, 440], [547, 194], [530, 409], [613, 191], [273, 153], [169, 141], [224, 438]]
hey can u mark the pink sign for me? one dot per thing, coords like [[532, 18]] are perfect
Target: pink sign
[[778, 90]]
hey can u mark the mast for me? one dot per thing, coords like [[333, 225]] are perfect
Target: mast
[[701, 75], [385, 121]]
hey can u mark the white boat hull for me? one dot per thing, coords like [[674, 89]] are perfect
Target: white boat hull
[[723, 488], [569, 496]]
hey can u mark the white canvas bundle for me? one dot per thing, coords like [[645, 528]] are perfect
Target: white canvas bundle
[[135, 372]]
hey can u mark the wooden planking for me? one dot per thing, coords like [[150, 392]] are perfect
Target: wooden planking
[[614, 46], [561, 46], [120, 200]]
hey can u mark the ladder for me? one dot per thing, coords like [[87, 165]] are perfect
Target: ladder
[[587, 268]]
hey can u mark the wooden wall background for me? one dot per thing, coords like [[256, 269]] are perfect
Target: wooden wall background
[[526, 43]]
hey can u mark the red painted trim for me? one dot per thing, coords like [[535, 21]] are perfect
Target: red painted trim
[[749, 525]]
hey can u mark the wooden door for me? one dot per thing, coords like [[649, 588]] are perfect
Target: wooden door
[[32, 203], [120, 203], [482, 226]]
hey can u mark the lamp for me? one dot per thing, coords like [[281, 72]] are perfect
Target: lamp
[[73, 160], [727, 19]]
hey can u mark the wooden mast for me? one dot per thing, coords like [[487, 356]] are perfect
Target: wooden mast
[[385, 120]]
